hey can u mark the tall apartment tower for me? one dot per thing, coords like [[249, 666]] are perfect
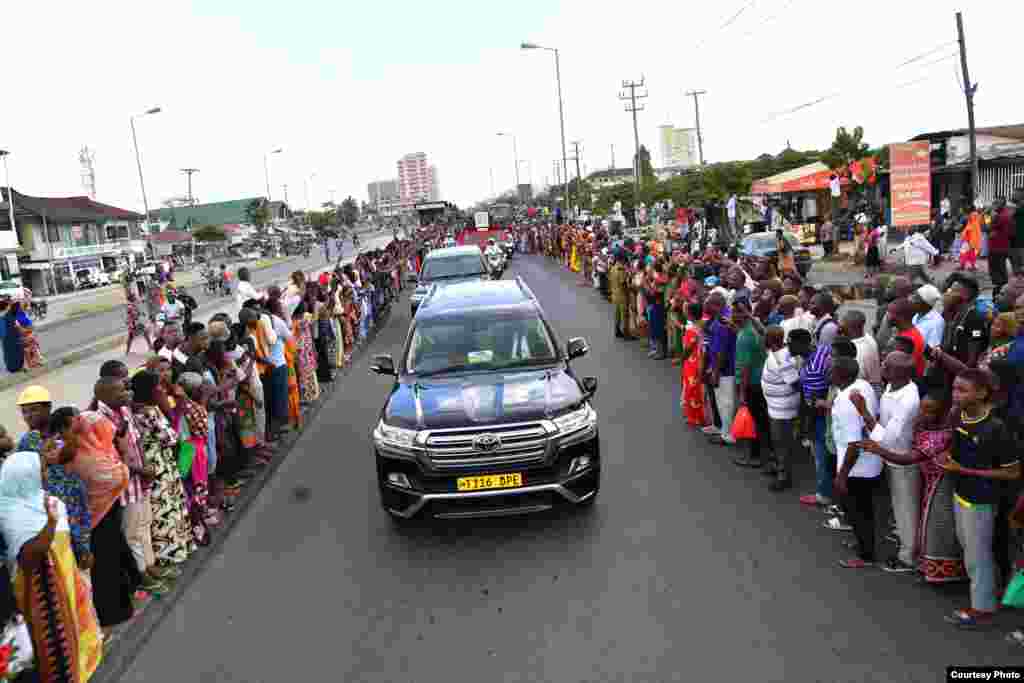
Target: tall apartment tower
[[416, 179]]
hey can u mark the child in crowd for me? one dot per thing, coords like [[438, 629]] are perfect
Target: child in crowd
[[982, 455]]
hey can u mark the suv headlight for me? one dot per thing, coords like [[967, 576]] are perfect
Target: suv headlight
[[582, 418], [395, 437]]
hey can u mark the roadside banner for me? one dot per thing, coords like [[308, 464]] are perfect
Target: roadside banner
[[910, 182]]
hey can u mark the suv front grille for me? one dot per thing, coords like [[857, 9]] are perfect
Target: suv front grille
[[520, 444]]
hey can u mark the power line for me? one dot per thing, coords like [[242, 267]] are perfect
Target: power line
[[825, 98], [926, 54]]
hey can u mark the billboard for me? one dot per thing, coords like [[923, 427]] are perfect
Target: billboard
[[910, 182], [678, 147]]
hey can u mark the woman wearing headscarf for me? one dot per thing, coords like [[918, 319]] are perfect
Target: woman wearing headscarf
[[50, 590], [172, 537], [193, 426], [115, 575], [11, 324]]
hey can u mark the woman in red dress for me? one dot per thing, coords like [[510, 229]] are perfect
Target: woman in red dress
[[692, 398]]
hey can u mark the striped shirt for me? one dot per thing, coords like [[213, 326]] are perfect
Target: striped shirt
[[815, 374], [128, 448]]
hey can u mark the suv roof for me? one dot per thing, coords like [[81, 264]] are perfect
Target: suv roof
[[464, 295], [453, 251]]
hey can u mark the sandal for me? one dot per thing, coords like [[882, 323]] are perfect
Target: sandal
[[970, 618]]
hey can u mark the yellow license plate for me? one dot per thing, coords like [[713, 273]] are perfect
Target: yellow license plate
[[490, 481]]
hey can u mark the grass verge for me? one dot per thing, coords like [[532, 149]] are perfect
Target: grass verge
[[91, 309]]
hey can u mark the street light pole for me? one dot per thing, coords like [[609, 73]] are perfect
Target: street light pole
[[138, 161], [266, 170], [561, 113]]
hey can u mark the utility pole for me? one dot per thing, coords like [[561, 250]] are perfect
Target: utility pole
[[285, 188], [612, 167], [696, 106], [632, 97], [579, 176], [189, 172], [969, 90]]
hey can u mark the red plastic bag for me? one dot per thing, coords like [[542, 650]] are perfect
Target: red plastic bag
[[743, 426]]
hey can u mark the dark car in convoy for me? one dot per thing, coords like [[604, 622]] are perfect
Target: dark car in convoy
[[448, 265], [486, 416], [765, 245]]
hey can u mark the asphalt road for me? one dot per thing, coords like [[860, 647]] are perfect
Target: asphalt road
[[688, 568], [74, 333]]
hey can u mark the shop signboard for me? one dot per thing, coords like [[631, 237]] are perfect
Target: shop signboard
[[910, 181]]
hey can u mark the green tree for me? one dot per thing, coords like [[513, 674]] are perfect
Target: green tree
[[257, 214], [209, 233], [846, 148], [349, 211], [647, 176]]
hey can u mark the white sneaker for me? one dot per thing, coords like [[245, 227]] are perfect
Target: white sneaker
[[711, 430]]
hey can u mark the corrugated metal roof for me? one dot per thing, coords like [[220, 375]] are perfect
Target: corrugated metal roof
[[216, 213]]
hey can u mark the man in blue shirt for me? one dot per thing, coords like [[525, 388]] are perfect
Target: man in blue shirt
[[815, 379], [722, 367]]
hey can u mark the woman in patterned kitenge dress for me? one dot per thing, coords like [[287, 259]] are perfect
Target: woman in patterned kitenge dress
[[49, 585], [305, 356], [133, 319], [172, 535]]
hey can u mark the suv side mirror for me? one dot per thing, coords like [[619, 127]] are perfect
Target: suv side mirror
[[589, 386], [383, 364], [576, 347]]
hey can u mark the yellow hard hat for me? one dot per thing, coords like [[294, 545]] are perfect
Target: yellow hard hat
[[34, 394]]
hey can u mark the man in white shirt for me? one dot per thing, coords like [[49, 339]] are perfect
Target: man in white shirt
[[244, 291], [852, 325], [918, 252], [894, 432], [780, 382], [859, 472], [794, 317], [928, 321]]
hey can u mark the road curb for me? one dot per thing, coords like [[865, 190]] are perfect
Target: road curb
[[122, 654]]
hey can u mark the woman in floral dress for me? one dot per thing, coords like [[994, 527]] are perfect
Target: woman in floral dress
[[170, 529], [133, 320], [305, 356]]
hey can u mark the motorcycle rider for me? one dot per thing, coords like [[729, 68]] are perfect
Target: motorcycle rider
[[493, 255]]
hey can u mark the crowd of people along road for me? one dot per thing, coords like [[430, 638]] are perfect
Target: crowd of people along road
[[102, 504], [931, 397]]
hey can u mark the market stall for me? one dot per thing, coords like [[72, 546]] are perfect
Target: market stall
[[803, 196]]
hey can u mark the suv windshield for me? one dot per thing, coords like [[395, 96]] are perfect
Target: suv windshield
[[466, 265], [492, 341]]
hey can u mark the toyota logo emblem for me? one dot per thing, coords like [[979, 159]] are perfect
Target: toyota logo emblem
[[486, 442]]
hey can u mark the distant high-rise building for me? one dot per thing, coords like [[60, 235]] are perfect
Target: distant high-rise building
[[678, 146], [416, 179], [380, 190], [435, 184]]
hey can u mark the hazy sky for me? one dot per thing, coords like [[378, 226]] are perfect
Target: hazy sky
[[347, 88]]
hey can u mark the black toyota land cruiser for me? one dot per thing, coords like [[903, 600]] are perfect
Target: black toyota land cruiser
[[486, 417]]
